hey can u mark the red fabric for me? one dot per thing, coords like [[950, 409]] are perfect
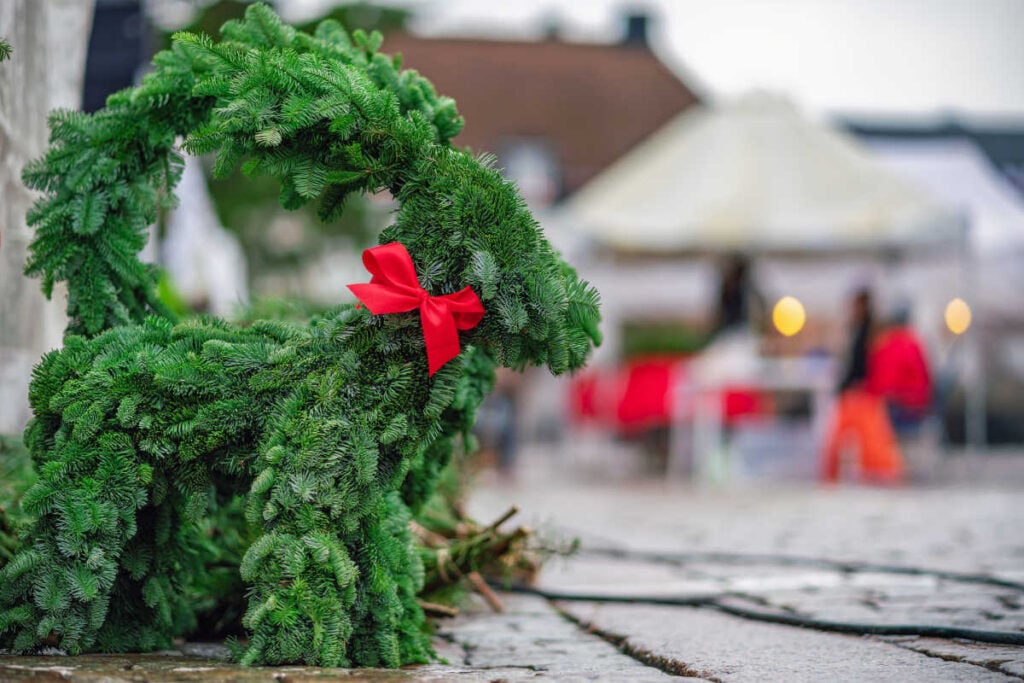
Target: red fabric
[[741, 402], [394, 288], [584, 397], [640, 396], [646, 398], [898, 371]]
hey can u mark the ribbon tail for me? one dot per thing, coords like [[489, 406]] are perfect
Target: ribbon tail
[[439, 334]]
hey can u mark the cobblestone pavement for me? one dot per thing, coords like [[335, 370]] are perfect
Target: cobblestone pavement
[[836, 555], [760, 553]]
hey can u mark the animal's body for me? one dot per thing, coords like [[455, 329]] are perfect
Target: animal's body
[[334, 432]]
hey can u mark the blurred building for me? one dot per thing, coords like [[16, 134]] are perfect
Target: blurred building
[[556, 113], [980, 173], [1001, 146]]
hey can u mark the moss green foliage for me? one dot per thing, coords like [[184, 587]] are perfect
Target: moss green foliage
[[5, 50], [293, 309], [312, 446], [16, 476], [661, 338]]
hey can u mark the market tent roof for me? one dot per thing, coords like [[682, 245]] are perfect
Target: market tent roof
[[754, 175], [959, 172]]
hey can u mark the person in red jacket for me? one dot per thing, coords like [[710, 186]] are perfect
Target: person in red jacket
[[897, 371]]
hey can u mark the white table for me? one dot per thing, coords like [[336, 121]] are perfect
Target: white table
[[697, 431]]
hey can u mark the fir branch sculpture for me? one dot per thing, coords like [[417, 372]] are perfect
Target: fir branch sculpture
[[335, 432]]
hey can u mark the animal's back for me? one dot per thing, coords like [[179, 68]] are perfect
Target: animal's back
[[178, 392]]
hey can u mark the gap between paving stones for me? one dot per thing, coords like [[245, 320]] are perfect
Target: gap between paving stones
[[720, 647], [782, 615], [1005, 661], [646, 657]]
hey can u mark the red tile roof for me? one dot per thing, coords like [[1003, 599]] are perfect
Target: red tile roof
[[589, 102]]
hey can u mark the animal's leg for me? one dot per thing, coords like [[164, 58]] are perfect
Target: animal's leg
[[155, 595], [301, 595], [390, 628], [57, 590], [333, 578]]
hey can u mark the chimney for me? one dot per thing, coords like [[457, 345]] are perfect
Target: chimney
[[637, 24], [551, 27]]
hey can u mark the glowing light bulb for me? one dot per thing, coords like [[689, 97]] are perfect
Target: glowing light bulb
[[958, 316], [789, 316]]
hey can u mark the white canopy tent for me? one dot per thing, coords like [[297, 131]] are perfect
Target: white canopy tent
[[755, 175], [956, 170]]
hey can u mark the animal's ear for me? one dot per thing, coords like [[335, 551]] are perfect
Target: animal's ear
[[582, 315]]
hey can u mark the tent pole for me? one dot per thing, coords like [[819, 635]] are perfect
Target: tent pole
[[974, 406]]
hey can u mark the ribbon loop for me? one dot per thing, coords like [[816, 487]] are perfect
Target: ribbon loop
[[394, 288]]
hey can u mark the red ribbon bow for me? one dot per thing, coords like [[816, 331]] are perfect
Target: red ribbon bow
[[394, 288]]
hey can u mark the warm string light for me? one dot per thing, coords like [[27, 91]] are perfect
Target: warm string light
[[789, 316], [958, 316]]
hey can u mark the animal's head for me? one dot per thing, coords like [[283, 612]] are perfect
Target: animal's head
[[463, 224]]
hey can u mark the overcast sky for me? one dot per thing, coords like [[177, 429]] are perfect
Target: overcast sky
[[902, 57]]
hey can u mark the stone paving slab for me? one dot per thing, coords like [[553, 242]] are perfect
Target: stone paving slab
[[535, 642], [956, 529], [530, 641], [719, 647], [1007, 660]]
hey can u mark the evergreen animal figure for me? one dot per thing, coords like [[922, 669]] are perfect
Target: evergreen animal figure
[[334, 432]]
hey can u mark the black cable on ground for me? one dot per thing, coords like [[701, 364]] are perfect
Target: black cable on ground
[[845, 566], [715, 601], [920, 630], [672, 601]]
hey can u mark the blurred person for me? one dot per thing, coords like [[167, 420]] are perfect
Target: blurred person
[[898, 372], [740, 304], [855, 367], [119, 50], [497, 425], [860, 419]]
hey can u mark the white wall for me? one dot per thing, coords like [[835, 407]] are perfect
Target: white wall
[[46, 70]]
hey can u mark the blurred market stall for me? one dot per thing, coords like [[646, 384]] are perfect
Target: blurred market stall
[[819, 214]]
